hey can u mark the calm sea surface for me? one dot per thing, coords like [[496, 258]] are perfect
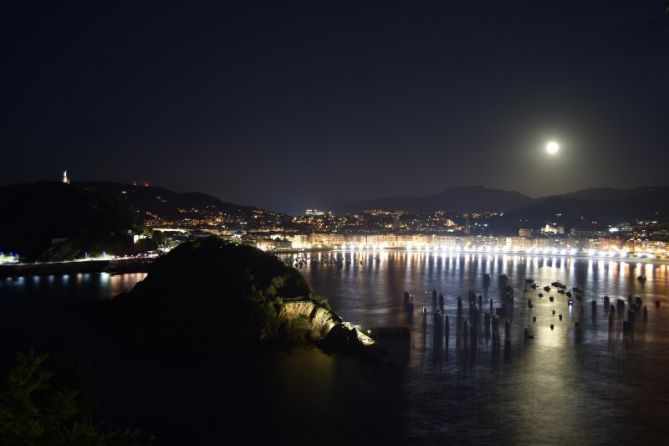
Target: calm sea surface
[[591, 386], [67, 288], [565, 385]]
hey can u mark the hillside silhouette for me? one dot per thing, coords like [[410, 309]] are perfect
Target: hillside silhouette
[[52, 221]]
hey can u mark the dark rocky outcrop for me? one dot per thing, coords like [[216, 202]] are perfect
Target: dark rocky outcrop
[[209, 296]]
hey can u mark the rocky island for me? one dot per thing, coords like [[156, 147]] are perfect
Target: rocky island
[[209, 296]]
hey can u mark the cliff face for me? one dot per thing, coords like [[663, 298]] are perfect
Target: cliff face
[[208, 296], [322, 326]]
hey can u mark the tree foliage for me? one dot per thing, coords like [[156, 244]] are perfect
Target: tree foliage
[[39, 407]]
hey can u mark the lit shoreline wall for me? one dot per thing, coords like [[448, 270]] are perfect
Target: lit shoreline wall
[[607, 247]]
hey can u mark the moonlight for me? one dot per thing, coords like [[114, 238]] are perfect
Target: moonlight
[[552, 148]]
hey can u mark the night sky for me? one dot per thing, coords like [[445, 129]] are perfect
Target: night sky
[[282, 103]]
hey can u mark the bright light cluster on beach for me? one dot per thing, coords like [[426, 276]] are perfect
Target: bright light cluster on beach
[[8, 258], [489, 249]]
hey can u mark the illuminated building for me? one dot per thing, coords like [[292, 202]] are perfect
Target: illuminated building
[[526, 232], [552, 229]]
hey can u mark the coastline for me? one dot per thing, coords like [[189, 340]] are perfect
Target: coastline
[[634, 260], [111, 266], [141, 265]]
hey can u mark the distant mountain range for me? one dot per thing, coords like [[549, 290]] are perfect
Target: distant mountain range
[[581, 208], [584, 208], [163, 202], [94, 214], [455, 199], [600, 205], [592, 207]]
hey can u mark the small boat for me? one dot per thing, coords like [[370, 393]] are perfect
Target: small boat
[[641, 279], [547, 288]]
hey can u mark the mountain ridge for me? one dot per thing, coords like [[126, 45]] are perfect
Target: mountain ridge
[[456, 199], [163, 202], [45, 215], [592, 207]]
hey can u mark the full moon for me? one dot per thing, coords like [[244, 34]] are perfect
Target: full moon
[[552, 148]]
